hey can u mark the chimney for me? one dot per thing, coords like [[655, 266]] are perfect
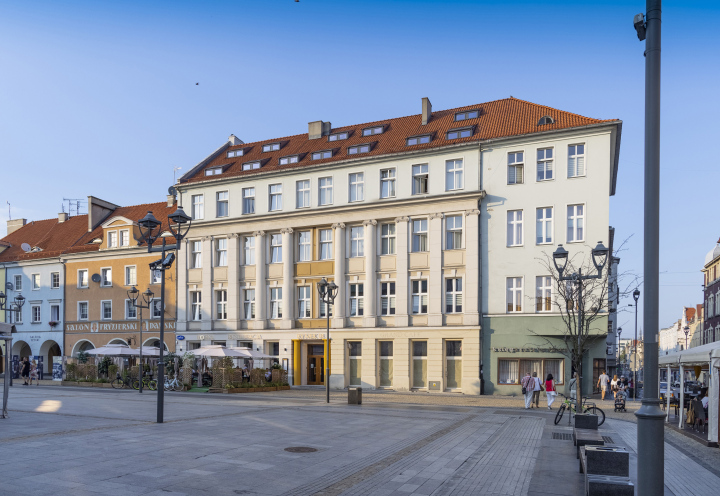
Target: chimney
[[62, 217], [170, 200], [426, 110], [14, 225], [234, 140], [318, 129]]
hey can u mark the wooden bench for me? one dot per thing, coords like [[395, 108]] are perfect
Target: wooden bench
[[586, 437], [604, 483]]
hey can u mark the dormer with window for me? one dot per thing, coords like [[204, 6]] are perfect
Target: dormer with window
[[339, 136], [468, 114], [271, 147], [323, 154], [251, 165], [545, 119], [239, 152], [370, 131], [290, 159], [364, 148], [462, 132], [419, 140], [118, 232]]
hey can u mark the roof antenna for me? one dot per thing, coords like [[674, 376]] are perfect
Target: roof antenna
[[175, 170], [9, 216]]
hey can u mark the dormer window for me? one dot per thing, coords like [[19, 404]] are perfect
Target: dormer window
[[369, 131], [468, 114], [545, 119], [354, 150], [292, 159], [213, 171], [321, 155], [464, 132], [251, 165], [338, 136], [419, 140], [235, 153], [271, 147]]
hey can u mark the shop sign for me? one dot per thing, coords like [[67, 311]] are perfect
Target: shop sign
[[180, 338], [116, 326], [34, 338], [527, 350]]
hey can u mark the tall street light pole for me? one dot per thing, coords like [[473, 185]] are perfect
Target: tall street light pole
[[636, 297], [150, 230], [328, 292], [650, 419], [619, 331], [147, 298]]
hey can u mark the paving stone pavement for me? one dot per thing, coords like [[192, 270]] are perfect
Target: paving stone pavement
[[103, 441]]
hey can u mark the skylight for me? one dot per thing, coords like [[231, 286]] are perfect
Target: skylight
[[354, 150], [369, 131], [338, 136], [468, 114], [464, 132], [322, 154], [271, 147], [250, 165], [418, 140]]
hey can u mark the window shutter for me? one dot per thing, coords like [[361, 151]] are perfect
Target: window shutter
[[581, 166], [572, 170], [519, 174]]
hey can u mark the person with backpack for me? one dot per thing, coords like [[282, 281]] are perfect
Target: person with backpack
[[528, 385]]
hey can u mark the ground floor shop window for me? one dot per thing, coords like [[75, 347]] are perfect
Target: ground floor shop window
[[453, 358], [511, 370], [419, 364], [385, 364], [355, 355]]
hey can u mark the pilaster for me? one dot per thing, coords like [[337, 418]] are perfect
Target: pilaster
[[207, 284], [435, 282], [233, 294], [288, 296], [260, 281], [182, 289], [471, 288], [338, 318], [370, 311], [401, 282]]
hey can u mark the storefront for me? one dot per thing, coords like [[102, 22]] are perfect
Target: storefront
[[83, 336]]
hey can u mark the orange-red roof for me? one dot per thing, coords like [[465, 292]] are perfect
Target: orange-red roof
[[500, 118]]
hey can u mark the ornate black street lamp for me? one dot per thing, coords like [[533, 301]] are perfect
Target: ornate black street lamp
[[15, 306], [147, 298], [150, 230], [328, 292], [636, 297], [599, 259]]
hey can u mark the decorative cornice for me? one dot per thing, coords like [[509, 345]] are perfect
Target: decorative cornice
[[207, 238], [235, 235], [286, 230], [259, 233], [371, 222], [474, 211], [436, 216], [402, 219], [339, 225]]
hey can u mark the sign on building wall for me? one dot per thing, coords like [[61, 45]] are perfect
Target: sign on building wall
[[121, 326]]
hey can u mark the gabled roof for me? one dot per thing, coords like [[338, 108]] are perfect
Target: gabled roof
[[498, 119]]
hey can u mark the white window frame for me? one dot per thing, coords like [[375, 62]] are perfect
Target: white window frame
[[128, 280], [276, 248], [574, 217], [221, 252], [387, 183], [305, 246], [357, 241], [453, 232], [18, 283], [453, 295], [112, 239], [102, 309], [388, 238], [156, 308], [325, 190], [419, 298], [516, 163], [515, 228], [59, 317], [454, 172], [543, 225], [106, 282], [52, 280], [35, 283], [196, 254], [420, 179], [514, 292], [276, 297], [36, 314], [355, 297], [275, 197], [326, 244], [577, 162], [543, 294], [124, 238], [156, 276], [248, 201], [304, 302], [222, 199], [545, 164], [388, 298], [79, 311], [249, 250], [221, 304], [302, 193], [80, 278], [356, 182], [420, 242], [198, 207], [195, 306], [249, 304], [130, 308]]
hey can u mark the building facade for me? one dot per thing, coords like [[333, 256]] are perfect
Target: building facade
[[711, 289], [410, 218]]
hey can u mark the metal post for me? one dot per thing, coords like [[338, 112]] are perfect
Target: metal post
[[580, 326], [8, 377], [327, 359], [161, 363], [635, 368], [140, 365], [650, 428]]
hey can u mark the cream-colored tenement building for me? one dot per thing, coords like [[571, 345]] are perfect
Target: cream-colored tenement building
[[390, 212]]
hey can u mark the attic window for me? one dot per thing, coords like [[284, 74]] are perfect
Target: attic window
[[292, 159], [213, 171], [250, 165], [271, 147], [469, 114], [354, 150], [321, 155], [235, 153], [545, 119], [35, 249], [419, 140], [464, 132], [338, 136], [369, 131]]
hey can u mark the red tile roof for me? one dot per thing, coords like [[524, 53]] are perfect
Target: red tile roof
[[57, 238], [500, 118]]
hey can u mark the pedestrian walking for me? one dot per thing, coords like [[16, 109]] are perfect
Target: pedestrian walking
[[603, 381], [34, 373], [614, 386], [537, 387], [573, 386], [550, 391], [25, 370], [528, 384]]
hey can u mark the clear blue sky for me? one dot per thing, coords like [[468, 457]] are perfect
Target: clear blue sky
[[99, 98]]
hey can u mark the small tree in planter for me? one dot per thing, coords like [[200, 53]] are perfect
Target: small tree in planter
[[83, 356], [103, 366]]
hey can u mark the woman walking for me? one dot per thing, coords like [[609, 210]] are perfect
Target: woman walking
[[34, 373], [25, 370], [614, 386], [528, 384], [550, 390]]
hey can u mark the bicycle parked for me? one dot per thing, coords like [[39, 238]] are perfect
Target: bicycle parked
[[148, 383], [173, 385], [570, 405], [121, 382]]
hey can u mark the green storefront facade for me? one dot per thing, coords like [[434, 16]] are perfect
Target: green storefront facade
[[513, 344]]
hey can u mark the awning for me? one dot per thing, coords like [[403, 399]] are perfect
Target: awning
[[698, 355]]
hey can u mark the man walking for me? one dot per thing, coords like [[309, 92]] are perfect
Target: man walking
[[528, 385], [536, 391], [603, 384]]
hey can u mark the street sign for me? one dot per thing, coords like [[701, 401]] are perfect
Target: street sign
[[180, 338]]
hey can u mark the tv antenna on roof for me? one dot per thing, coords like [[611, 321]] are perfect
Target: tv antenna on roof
[[74, 206], [174, 171], [9, 216]]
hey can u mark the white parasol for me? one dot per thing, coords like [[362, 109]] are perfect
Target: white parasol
[[113, 349], [218, 350]]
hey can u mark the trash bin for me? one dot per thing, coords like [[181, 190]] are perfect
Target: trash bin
[[354, 395]]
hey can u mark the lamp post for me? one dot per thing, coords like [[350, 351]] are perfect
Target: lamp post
[[147, 298], [150, 230], [328, 291], [636, 297], [15, 306], [599, 259], [686, 330], [619, 331]]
